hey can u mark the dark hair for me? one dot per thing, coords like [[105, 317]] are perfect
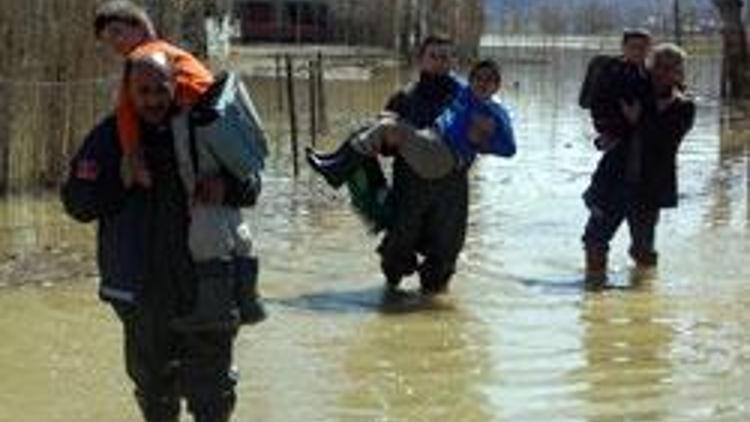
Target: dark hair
[[634, 34], [122, 11], [488, 64], [432, 40]]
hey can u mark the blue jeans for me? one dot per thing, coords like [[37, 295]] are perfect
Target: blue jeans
[[602, 227]]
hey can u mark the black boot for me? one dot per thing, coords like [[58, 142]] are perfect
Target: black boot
[[337, 167], [246, 291], [161, 409]]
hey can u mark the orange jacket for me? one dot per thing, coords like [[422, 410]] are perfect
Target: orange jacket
[[192, 79]]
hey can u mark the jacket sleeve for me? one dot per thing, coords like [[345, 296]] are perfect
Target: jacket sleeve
[[399, 103], [588, 87], [93, 188], [673, 127], [606, 111]]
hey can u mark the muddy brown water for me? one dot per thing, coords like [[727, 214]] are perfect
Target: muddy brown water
[[518, 339]]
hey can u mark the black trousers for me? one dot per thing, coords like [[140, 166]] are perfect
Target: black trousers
[[165, 365], [430, 218]]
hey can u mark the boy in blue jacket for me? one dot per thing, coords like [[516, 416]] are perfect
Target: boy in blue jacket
[[475, 122]]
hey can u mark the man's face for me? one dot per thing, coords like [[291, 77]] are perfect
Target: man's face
[[636, 49], [152, 93], [436, 59]]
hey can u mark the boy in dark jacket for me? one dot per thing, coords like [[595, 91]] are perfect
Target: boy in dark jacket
[[638, 176], [611, 81]]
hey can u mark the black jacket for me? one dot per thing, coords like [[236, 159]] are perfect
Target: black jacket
[[660, 134], [93, 191], [616, 81], [422, 102]]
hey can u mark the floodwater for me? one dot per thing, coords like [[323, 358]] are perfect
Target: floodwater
[[518, 338]]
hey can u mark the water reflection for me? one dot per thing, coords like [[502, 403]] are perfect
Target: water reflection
[[425, 367], [626, 344], [729, 180]]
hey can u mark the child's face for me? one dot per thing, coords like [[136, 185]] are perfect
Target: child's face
[[122, 37], [484, 84], [636, 49]]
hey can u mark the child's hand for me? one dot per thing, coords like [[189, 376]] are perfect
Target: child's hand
[[632, 112], [480, 132]]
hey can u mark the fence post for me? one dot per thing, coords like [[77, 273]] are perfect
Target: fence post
[[279, 86], [313, 100], [322, 114], [292, 113], [5, 124]]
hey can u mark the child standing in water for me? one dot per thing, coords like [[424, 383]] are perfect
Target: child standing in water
[[127, 29], [475, 122]]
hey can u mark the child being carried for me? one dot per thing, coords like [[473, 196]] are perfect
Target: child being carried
[[475, 122]]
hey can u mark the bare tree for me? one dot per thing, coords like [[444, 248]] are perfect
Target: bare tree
[[595, 17], [735, 77], [551, 19]]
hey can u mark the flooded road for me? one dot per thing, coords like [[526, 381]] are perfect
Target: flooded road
[[518, 339]]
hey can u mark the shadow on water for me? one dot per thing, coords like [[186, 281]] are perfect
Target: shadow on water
[[623, 280], [367, 300]]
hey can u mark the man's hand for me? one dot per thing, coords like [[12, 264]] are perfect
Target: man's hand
[[210, 191]]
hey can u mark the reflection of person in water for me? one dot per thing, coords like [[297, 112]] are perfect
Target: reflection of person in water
[[418, 371], [626, 352], [637, 177]]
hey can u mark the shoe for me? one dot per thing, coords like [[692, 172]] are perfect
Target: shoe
[[336, 167]]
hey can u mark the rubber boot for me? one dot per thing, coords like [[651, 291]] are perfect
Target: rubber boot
[[211, 418], [596, 267], [163, 409], [215, 303], [337, 167], [644, 260], [251, 309], [645, 264], [218, 410]]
